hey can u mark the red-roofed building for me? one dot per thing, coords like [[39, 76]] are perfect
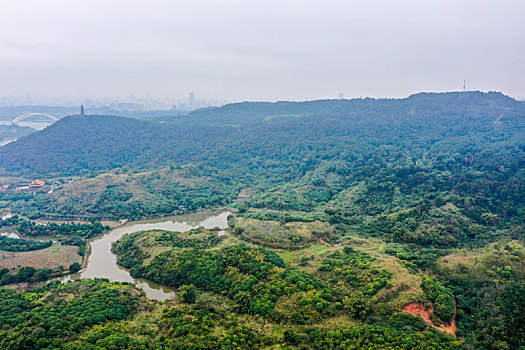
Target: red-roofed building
[[37, 184]]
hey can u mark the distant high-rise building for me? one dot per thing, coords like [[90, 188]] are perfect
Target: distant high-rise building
[[192, 101], [341, 96], [81, 109]]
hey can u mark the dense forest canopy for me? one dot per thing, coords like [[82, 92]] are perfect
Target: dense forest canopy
[[257, 135]]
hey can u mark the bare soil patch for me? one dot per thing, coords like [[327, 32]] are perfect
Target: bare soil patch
[[418, 309]]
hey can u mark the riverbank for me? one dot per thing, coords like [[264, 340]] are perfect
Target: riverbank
[[112, 222], [102, 263]]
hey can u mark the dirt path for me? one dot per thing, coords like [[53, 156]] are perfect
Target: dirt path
[[418, 309]]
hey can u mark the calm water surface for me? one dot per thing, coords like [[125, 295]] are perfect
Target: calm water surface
[[5, 142], [102, 262]]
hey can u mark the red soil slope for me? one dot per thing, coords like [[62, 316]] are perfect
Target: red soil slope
[[418, 309]]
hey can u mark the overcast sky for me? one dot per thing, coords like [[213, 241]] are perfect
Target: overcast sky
[[260, 50]]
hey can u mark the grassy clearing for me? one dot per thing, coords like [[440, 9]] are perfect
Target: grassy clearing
[[500, 261], [338, 322], [405, 283], [51, 257], [306, 260], [284, 234]]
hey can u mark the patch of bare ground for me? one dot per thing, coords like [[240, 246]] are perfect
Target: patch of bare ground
[[418, 309]]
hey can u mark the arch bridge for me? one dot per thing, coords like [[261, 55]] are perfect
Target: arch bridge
[[32, 114]]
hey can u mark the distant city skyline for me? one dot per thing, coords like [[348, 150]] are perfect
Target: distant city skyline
[[134, 102], [231, 50], [137, 103]]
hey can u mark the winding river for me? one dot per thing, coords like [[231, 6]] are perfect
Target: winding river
[[102, 263]]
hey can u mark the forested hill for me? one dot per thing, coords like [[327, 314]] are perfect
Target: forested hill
[[427, 105], [79, 144], [284, 133]]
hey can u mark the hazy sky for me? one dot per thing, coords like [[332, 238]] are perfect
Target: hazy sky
[[260, 50]]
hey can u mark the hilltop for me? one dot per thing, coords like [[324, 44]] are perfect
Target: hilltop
[[79, 145]]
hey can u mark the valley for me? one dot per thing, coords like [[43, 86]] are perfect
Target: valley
[[365, 223]]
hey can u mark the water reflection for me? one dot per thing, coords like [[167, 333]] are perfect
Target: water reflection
[[102, 263]]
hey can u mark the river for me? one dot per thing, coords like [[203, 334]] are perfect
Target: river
[[102, 262], [34, 125], [5, 142]]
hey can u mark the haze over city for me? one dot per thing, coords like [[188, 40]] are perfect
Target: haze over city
[[230, 51]]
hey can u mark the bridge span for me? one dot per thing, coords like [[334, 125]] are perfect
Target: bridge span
[[24, 116]]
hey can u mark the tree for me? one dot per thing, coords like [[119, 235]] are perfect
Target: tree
[[25, 273], [74, 267], [188, 294], [43, 274]]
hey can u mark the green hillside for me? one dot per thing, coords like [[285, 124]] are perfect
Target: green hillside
[[344, 213], [343, 159]]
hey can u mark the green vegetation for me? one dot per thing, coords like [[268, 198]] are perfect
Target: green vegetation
[[499, 262], [44, 318], [346, 211], [74, 267], [30, 228], [194, 329], [97, 314], [498, 322], [369, 337], [282, 234], [486, 283], [247, 285], [441, 297], [26, 274], [415, 257], [196, 238], [378, 167], [255, 279], [40, 265], [188, 294], [21, 245], [355, 269]]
